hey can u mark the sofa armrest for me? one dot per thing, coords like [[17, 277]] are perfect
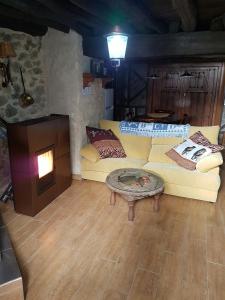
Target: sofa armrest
[[90, 153], [209, 162]]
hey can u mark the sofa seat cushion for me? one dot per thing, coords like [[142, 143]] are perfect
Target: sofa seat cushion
[[134, 146], [158, 154], [175, 174], [110, 164]]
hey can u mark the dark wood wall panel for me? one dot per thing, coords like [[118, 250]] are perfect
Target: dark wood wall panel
[[200, 96]]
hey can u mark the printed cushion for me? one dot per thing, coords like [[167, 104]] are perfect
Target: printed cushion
[[200, 139], [106, 143], [188, 154]]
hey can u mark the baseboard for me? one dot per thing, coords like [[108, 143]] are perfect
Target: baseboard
[[77, 176]]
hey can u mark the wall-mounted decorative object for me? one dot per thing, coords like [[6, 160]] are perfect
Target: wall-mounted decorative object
[[98, 68], [28, 51], [153, 76], [186, 74], [25, 99], [6, 51]]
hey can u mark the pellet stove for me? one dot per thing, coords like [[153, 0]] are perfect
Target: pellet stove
[[40, 161]]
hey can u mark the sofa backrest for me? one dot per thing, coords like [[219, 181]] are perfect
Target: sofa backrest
[[154, 149], [211, 132], [161, 145], [134, 146]]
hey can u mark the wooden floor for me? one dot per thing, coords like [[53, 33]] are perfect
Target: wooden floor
[[80, 248]]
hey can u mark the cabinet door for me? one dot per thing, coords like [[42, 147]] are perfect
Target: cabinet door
[[164, 92], [198, 95]]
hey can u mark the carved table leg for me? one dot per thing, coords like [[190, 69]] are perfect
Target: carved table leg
[[113, 198], [156, 205], [131, 210]]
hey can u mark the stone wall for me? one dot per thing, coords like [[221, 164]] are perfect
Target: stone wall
[[29, 57], [53, 67], [64, 66]]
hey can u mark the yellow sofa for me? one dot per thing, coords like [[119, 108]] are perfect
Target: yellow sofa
[[149, 154]]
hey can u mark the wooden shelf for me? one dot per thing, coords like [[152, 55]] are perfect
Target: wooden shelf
[[105, 80], [89, 78]]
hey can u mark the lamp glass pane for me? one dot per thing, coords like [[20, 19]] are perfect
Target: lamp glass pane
[[117, 44]]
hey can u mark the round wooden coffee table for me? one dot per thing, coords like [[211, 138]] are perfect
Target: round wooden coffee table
[[134, 184]]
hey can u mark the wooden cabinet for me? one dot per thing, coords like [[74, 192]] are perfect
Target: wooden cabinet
[[199, 95], [40, 161]]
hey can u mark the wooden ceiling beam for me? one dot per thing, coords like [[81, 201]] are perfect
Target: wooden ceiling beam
[[180, 44], [110, 16], [18, 15], [35, 9], [31, 8], [96, 9], [187, 12], [20, 25], [70, 15], [139, 15]]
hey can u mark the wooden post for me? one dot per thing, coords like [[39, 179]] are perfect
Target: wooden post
[[113, 198], [156, 203], [131, 210]]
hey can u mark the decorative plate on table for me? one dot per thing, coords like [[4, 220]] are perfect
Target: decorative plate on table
[[134, 180]]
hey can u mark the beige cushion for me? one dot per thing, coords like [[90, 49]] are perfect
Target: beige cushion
[[211, 132], [90, 153], [188, 153], [167, 141], [209, 162]]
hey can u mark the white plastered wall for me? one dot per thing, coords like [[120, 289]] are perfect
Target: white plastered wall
[[64, 64]]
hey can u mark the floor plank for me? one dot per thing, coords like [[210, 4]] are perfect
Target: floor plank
[[96, 281], [79, 247], [216, 279], [144, 286], [216, 244]]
